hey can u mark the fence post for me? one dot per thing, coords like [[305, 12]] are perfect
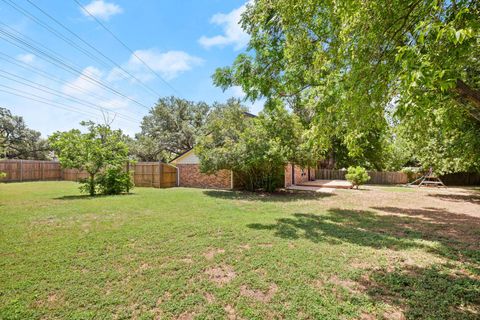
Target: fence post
[[160, 174], [21, 170], [42, 169]]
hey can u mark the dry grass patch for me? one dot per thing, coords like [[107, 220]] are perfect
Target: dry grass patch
[[221, 275]]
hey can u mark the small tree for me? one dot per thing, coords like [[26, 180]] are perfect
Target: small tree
[[357, 176], [100, 151]]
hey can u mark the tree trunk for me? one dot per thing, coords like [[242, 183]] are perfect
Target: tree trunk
[[91, 185], [471, 95]]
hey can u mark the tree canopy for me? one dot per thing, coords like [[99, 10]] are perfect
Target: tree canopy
[[170, 129], [352, 70], [256, 149], [17, 141]]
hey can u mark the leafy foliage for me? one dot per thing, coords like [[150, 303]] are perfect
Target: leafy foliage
[[357, 176], [100, 151], [349, 68], [17, 141], [2, 175], [114, 180], [256, 149], [170, 129]]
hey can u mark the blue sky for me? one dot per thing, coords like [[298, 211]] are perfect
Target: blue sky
[[183, 41]]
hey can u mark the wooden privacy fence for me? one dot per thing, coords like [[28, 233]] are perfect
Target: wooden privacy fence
[[30, 170], [155, 174], [145, 174], [376, 177]]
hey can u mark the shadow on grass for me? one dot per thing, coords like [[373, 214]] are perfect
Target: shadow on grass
[[472, 198], [266, 197], [456, 235], [89, 197], [436, 292], [445, 291]]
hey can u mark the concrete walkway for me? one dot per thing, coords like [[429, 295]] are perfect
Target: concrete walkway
[[335, 184], [312, 188]]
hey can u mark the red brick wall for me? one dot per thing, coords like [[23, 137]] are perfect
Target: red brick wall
[[300, 175], [190, 176]]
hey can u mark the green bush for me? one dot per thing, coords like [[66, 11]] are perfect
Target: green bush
[[357, 176], [2, 175], [114, 180], [412, 173]]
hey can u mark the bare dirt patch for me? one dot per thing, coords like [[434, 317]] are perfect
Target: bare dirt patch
[[265, 245], [231, 313], [221, 275], [209, 255], [209, 297], [244, 247], [258, 294], [186, 316]]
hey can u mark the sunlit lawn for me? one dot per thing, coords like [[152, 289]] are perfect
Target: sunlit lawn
[[188, 253]]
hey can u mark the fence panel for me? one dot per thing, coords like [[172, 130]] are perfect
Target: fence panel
[[30, 170], [376, 177], [145, 174]]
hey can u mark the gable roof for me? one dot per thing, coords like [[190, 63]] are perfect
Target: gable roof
[[181, 155]]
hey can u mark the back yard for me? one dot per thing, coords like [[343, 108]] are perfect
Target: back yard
[[383, 252]]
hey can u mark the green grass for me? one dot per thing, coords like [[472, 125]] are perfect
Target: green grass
[[189, 253]]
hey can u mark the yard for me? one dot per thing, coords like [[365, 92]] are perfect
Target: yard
[[382, 252]]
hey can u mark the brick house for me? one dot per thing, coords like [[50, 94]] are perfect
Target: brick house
[[189, 174]]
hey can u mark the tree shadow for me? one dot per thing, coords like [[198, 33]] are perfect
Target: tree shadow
[[89, 197], [354, 226], [266, 197], [472, 198], [441, 291], [456, 236], [435, 292]]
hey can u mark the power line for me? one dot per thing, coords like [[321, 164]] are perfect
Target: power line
[[42, 88], [126, 47], [40, 99], [151, 90], [54, 78], [25, 45]]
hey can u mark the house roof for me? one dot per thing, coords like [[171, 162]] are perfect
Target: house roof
[[186, 153], [181, 155]]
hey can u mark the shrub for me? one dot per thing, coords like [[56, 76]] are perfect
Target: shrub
[[411, 172], [2, 175], [114, 180], [357, 176]]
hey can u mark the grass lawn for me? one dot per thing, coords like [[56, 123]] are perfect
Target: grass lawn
[[178, 253]]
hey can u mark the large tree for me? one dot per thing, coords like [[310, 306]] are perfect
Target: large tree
[[17, 141], [170, 128], [256, 149], [348, 66]]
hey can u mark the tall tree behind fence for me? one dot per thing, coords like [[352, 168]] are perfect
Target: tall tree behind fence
[[145, 174]]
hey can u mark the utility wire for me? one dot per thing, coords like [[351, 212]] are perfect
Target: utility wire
[[151, 90], [15, 92], [127, 47], [25, 45], [40, 87], [47, 75]]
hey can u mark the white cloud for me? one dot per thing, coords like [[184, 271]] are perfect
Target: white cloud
[[84, 82], [26, 58], [168, 64], [101, 9], [84, 88], [233, 32]]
